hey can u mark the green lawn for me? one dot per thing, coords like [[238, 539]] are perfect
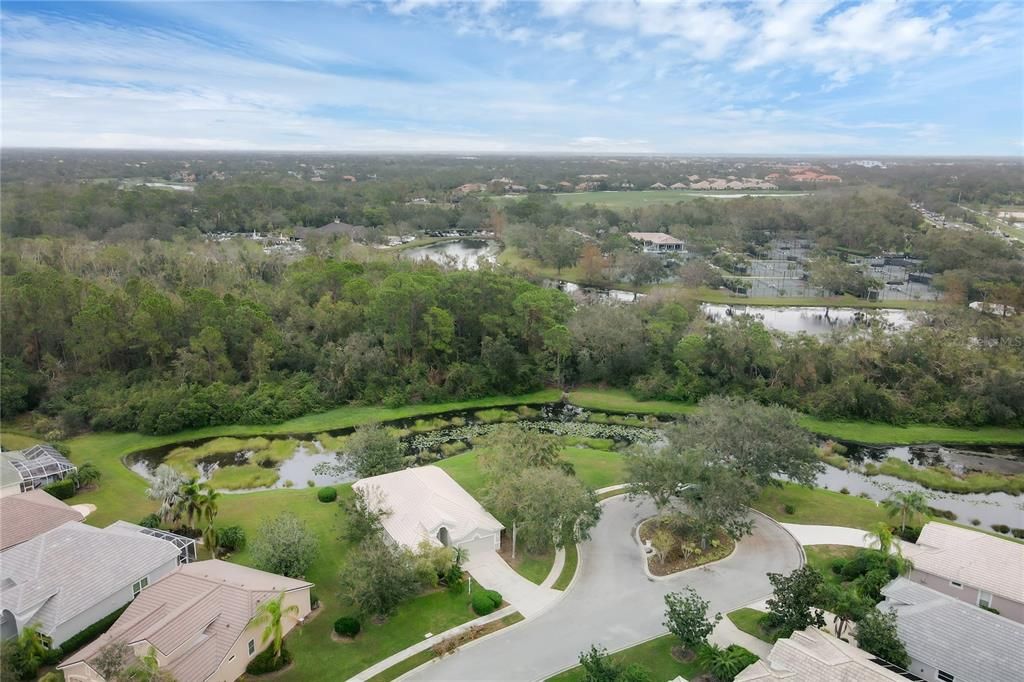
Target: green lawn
[[818, 506], [941, 478], [655, 655], [572, 560], [616, 400], [820, 558], [749, 621]]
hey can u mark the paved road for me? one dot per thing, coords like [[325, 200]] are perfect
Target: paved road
[[614, 603]]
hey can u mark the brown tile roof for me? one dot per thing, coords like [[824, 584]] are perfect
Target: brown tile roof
[[26, 515]]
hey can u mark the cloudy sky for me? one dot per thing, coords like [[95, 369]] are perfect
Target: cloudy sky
[[760, 77]]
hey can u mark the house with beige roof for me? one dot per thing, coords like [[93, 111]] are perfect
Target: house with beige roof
[[426, 504], [972, 567], [813, 656], [198, 619], [27, 515], [657, 242]]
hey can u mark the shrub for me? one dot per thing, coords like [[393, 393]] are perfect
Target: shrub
[[150, 521], [838, 564], [231, 538], [80, 639], [328, 494], [482, 604], [790, 509], [910, 533], [975, 522], [310, 483], [314, 600], [844, 490], [1000, 528], [494, 596], [942, 513], [347, 626], [1017, 532], [62, 490], [265, 661]]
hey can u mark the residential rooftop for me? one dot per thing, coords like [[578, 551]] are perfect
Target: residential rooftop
[[813, 656], [29, 514]]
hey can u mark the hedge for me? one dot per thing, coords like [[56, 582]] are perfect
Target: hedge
[[327, 494], [62, 490], [78, 640], [347, 626], [485, 601], [265, 661]]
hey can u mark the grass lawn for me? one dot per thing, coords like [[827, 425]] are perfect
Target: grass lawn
[[818, 506], [655, 655], [941, 478], [535, 567], [820, 558], [749, 621], [572, 560], [617, 400]]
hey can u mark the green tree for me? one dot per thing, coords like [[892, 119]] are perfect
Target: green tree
[[165, 487], [598, 666], [877, 635], [686, 617], [906, 504], [271, 614], [189, 504], [724, 664], [88, 474], [364, 513], [112, 659], [881, 534], [147, 669], [792, 604], [372, 451], [284, 545], [379, 576], [510, 448]]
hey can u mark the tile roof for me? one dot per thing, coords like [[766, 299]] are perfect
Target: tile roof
[[57, 575], [193, 615], [958, 638], [814, 656], [654, 237], [972, 558], [421, 500], [32, 513]]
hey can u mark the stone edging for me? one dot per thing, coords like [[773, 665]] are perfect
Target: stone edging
[[647, 570]]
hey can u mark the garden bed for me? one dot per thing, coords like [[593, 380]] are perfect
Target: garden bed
[[685, 552]]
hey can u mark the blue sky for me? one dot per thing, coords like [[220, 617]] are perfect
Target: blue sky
[[760, 77]]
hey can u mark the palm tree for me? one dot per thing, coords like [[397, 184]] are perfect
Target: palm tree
[[723, 664], [208, 504], [906, 504], [189, 503], [165, 488], [147, 669], [30, 648], [270, 613], [87, 475], [881, 533]]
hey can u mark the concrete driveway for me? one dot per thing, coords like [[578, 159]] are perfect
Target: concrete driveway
[[613, 603], [491, 571]]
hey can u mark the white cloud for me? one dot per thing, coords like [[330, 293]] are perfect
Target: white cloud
[[571, 41]]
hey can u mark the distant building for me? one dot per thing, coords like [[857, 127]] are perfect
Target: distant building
[[657, 242], [813, 656], [972, 567], [335, 227], [950, 641], [348, 178], [199, 619], [678, 185], [702, 185], [470, 188], [658, 185]]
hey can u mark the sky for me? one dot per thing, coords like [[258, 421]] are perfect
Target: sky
[[839, 77]]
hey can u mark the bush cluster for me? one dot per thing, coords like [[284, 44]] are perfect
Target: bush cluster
[[265, 661], [347, 626], [62, 490], [485, 601], [150, 521], [231, 538], [327, 494]]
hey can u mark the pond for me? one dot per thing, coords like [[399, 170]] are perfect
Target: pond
[[587, 294], [462, 254], [814, 320], [301, 459]]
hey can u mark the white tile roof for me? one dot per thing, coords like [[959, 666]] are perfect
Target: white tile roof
[[654, 237], [193, 615], [421, 500], [57, 575], [972, 558], [954, 636], [814, 656]]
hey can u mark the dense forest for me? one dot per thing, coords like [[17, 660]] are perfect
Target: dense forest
[[119, 314], [167, 336]]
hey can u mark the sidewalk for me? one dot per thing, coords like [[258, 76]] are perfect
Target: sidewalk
[[837, 535]]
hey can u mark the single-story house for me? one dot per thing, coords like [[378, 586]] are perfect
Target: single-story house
[[814, 656], [198, 618], [658, 185], [186, 546], [657, 242], [335, 227], [31, 468], [66, 579], [27, 515], [950, 641], [973, 567], [425, 503], [678, 185]]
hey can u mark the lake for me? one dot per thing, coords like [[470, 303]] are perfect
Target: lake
[[463, 254], [814, 320]]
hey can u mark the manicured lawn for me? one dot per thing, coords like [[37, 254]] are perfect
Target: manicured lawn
[[16, 441], [818, 506], [655, 655], [572, 560], [749, 621], [615, 400], [820, 558], [533, 567]]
